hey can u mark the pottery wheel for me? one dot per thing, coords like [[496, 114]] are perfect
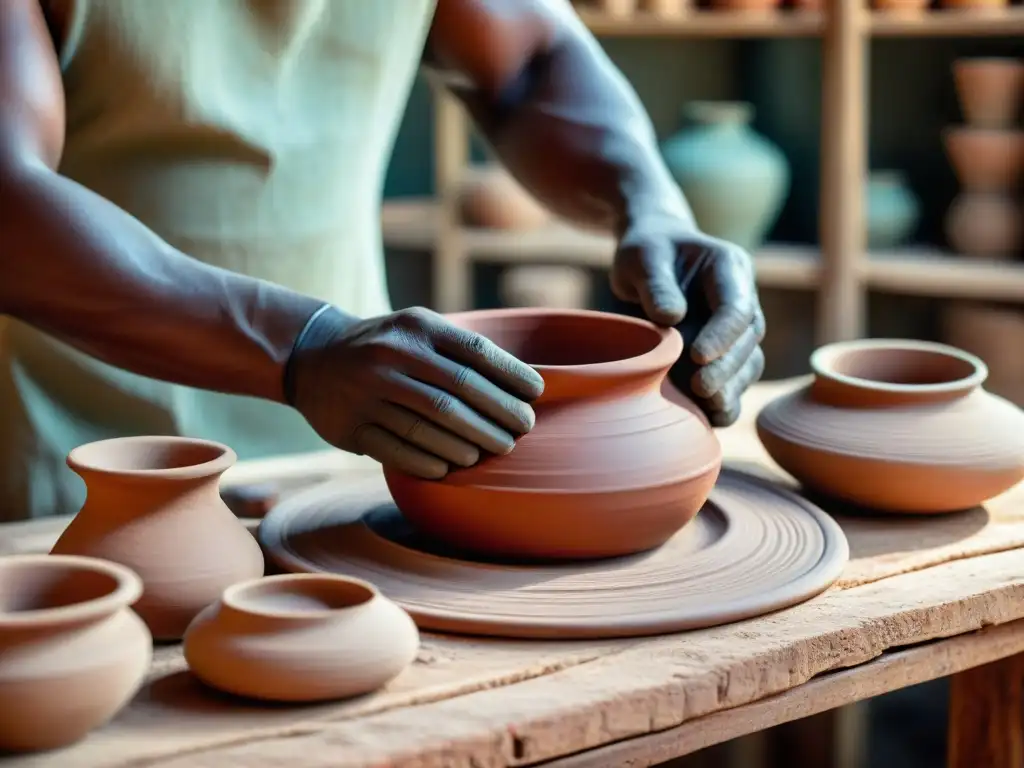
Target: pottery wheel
[[753, 548]]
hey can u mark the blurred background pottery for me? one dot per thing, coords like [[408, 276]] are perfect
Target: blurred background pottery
[[154, 505], [72, 652], [300, 638], [901, 6], [611, 467], [490, 198], [988, 226], [891, 208], [990, 90], [734, 179], [985, 160], [898, 426]]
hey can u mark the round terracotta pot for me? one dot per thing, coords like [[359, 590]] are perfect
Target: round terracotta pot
[[899, 426], [611, 467], [746, 6], [990, 90], [987, 226], [153, 504], [985, 160], [72, 652], [301, 638], [490, 198], [901, 6]]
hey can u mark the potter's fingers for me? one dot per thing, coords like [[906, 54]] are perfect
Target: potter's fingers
[[733, 300], [711, 378], [648, 269], [392, 451], [728, 398], [448, 412], [760, 324], [723, 419], [421, 433], [488, 359], [477, 392]]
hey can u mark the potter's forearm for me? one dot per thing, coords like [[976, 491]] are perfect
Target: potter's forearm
[[571, 128], [77, 266]]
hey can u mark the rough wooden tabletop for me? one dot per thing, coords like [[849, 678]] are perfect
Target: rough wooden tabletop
[[483, 704]]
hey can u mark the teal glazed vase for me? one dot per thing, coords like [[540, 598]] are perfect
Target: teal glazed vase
[[735, 179], [892, 210]]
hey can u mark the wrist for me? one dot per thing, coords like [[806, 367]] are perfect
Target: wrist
[[656, 196], [320, 330]]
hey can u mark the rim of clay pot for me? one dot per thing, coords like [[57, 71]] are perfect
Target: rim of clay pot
[[707, 111], [125, 587], [347, 592], [666, 343], [837, 363], [184, 458]]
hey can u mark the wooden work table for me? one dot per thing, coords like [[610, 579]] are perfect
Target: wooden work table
[[921, 598]]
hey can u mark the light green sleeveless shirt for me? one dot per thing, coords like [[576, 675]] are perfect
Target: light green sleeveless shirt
[[250, 134]]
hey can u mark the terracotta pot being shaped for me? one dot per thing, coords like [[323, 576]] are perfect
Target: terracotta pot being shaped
[[72, 652], [990, 90], [987, 226], [153, 504], [985, 160], [900, 426], [301, 638], [611, 466]]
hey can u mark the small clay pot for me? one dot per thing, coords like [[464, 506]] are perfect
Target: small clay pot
[[611, 467], [746, 6], [490, 198], [544, 285], [897, 426], [990, 90], [72, 652], [154, 505], [301, 638], [985, 160], [901, 6], [987, 226]]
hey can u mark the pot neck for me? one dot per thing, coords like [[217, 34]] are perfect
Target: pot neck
[[597, 382], [258, 621], [853, 394]]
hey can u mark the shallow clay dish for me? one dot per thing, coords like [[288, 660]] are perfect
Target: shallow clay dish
[[754, 548], [301, 638], [72, 652], [154, 505], [900, 426], [612, 467]]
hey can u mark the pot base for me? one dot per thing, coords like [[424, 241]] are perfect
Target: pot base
[[754, 548]]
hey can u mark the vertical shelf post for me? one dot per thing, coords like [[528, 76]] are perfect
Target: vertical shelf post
[[841, 299], [452, 277]]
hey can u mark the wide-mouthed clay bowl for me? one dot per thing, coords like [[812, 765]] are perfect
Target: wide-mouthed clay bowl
[[72, 651], [611, 467], [895, 425], [301, 638]]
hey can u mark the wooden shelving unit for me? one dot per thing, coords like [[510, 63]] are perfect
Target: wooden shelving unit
[[841, 271]]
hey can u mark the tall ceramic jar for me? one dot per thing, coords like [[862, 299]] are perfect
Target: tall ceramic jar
[[735, 179], [154, 505], [892, 209]]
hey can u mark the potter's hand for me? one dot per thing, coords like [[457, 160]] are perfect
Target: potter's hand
[[705, 287], [409, 389]]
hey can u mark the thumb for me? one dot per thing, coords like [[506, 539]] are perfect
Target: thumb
[[653, 275]]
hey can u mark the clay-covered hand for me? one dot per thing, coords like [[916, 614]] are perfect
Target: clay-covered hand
[[705, 287], [410, 389]]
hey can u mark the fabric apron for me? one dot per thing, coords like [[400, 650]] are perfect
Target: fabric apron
[[253, 135]]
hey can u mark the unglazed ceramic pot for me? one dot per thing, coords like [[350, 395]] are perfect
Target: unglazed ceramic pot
[[990, 90], [72, 652], [985, 225], [153, 504], [611, 467], [985, 160], [900, 426], [892, 209], [301, 638], [490, 198]]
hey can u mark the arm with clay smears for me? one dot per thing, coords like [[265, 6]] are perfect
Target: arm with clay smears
[[80, 268]]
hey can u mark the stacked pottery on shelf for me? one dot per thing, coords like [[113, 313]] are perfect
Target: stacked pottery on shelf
[[155, 554], [987, 154]]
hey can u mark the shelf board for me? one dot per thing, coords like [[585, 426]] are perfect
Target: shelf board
[[712, 24], [413, 225], [926, 272], [999, 22]]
